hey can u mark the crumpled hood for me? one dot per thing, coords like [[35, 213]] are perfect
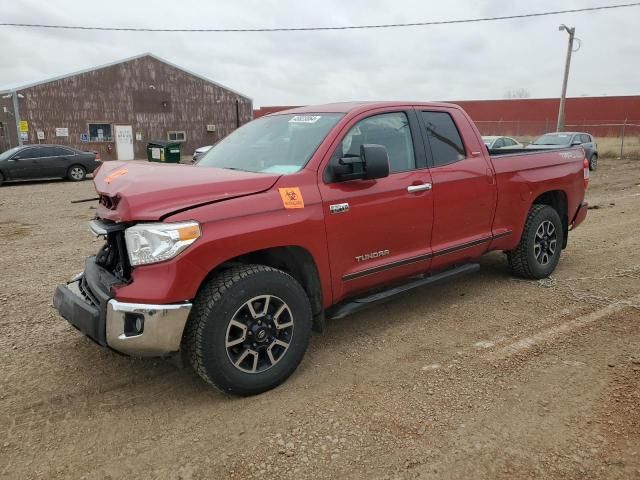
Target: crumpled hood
[[149, 191]]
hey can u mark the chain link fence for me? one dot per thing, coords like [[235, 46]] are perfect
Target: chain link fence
[[614, 139]]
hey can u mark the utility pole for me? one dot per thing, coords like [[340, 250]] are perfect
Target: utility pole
[[563, 96], [16, 111], [16, 114]]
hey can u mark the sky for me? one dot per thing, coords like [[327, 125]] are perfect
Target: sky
[[436, 63]]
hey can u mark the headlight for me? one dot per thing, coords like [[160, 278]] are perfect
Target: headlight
[[156, 242]]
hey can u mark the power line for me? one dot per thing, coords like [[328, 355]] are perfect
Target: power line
[[306, 29]]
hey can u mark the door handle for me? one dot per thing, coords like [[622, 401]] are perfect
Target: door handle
[[419, 188]]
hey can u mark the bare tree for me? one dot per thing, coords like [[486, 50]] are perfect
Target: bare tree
[[517, 93]]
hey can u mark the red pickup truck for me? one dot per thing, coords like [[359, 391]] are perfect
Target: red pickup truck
[[308, 214]]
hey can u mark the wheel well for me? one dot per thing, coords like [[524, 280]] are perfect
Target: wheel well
[[296, 261], [557, 200]]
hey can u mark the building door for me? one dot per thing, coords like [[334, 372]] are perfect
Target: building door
[[124, 142]]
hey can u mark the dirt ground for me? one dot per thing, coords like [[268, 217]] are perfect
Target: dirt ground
[[485, 377]]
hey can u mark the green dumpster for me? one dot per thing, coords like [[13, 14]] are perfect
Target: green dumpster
[[163, 151]]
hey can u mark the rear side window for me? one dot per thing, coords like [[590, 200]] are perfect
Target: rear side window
[[444, 138], [509, 142], [56, 152], [499, 143]]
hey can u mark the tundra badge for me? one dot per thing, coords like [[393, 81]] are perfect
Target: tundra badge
[[372, 255]]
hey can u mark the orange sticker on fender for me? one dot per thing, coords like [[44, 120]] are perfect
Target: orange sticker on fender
[[118, 173], [291, 197]]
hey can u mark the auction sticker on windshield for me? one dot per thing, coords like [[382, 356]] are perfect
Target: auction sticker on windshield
[[305, 119], [291, 197]]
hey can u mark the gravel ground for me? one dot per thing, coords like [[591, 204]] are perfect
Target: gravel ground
[[485, 377]]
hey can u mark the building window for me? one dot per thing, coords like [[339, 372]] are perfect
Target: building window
[[176, 136], [100, 132]]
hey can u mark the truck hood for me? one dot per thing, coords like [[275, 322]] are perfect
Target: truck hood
[[150, 191]]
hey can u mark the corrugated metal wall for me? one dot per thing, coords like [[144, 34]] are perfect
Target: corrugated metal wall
[[534, 116], [538, 115], [146, 93]]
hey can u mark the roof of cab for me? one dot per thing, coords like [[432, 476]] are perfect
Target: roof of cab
[[357, 107]]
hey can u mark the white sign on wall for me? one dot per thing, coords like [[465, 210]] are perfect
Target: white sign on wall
[[40, 135], [62, 132]]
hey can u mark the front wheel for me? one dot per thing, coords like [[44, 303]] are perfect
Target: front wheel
[[538, 252], [76, 173], [593, 162], [249, 329]]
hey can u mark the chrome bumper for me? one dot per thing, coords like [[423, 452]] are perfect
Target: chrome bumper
[[161, 332]]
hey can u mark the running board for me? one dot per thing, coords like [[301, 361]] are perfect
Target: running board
[[364, 302]]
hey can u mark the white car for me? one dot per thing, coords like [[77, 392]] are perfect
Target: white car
[[200, 152], [496, 142]]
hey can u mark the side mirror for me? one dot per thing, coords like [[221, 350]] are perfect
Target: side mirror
[[376, 161], [372, 163]]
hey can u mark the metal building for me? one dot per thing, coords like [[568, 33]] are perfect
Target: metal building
[[116, 109]]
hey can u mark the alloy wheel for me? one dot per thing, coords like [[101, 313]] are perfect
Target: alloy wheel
[[545, 242], [76, 173], [259, 334]]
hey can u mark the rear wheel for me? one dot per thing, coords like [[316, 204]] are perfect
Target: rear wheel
[[538, 252], [593, 162], [1, 179], [248, 330], [76, 173]]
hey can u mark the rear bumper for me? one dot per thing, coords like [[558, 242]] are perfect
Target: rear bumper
[[580, 215], [135, 329]]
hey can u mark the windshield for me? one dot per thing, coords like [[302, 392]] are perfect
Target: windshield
[[8, 153], [553, 139], [275, 144]]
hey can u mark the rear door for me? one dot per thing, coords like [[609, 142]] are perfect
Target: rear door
[[379, 230], [56, 161], [464, 189]]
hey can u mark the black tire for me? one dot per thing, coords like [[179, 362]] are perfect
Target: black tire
[[1, 179], [593, 162], [221, 300], [527, 259], [76, 173]]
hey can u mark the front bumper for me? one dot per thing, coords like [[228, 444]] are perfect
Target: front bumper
[[135, 329]]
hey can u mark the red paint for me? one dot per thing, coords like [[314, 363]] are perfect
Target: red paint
[[475, 200]]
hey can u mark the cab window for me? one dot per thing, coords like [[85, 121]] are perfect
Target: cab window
[[444, 138], [390, 130]]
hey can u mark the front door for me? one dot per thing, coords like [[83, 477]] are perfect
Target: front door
[[378, 231], [124, 142], [25, 163]]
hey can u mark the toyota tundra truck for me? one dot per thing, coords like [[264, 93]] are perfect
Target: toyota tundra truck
[[306, 215]]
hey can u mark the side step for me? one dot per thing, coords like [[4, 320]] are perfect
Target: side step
[[361, 303]]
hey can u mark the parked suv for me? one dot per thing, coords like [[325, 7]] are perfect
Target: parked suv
[[569, 139]]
